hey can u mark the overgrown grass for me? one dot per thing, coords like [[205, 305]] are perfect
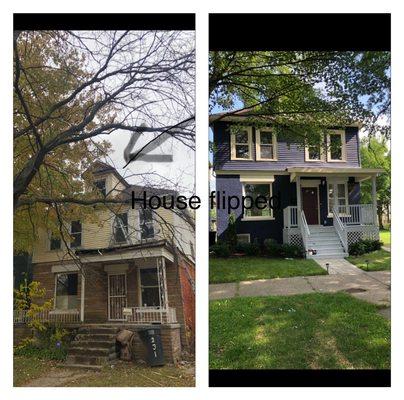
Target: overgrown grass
[[379, 260], [311, 331], [236, 269], [385, 237], [28, 368]]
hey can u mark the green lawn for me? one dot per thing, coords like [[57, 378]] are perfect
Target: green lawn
[[379, 260], [385, 237], [29, 368], [236, 269], [311, 331]]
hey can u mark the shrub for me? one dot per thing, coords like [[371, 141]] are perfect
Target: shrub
[[250, 249], [221, 249], [291, 251], [272, 248], [231, 233], [364, 246]]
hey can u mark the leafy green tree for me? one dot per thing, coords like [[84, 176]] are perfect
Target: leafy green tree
[[376, 154], [302, 92]]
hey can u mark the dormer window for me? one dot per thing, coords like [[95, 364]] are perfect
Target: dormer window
[[266, 145], [100, 185], [241, 144], [336, 146]]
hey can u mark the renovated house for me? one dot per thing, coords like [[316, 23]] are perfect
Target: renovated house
[[314, 190], [122, 267]]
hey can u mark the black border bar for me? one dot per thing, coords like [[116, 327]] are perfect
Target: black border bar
[[322, 32], [300, 378], [164, 22]]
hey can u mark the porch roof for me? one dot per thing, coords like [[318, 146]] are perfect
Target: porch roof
[[360, 174]]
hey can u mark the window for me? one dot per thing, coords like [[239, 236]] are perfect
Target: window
[[146, 223], [75, 233], [149, 287], [342, 197], [266, 145], [336, 146], [241, 141], [100, 185], [66, 291], [55, 242], [243, 238], [121, 228], [264, 192], [313, 152]]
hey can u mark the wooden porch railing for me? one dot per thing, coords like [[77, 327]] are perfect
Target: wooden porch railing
[[68, 317], [341, 230], [148, 315], [357, 214], [304, 229], [290, 217]]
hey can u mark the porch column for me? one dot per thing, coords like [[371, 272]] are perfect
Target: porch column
[[335, 195], [162, 281], [82, 294], [298, 198], [374, 199]]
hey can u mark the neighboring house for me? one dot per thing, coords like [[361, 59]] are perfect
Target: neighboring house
[[315, 190], [134, 267]]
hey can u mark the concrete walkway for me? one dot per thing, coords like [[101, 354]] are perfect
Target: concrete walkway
[[339, 266], [370, 286]]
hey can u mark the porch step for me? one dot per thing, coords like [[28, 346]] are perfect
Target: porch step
[[329, 256], [93, 346]]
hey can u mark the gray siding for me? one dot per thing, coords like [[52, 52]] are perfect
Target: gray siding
[[289, 155]]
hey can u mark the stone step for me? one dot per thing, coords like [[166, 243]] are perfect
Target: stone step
[[87, 360], [80, 366]]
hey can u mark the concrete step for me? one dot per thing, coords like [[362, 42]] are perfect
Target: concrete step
[[87, 360], [102, 337], [80, 366], [98, 330], [318, 246], [329, 241], [329, 256], [90, 351], [101, 344]]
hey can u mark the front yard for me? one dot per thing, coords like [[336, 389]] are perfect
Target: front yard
[[243, 268], [311, 331], [30, 371], [379, 260]]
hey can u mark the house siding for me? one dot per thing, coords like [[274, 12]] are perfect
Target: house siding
[[289, 155]]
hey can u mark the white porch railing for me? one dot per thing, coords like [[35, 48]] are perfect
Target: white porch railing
[[148, 315], [290, 217], [356, 214], [304, 228], [64, 317], [341, 230]]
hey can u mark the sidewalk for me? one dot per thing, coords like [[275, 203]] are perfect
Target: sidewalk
[[373, 287]]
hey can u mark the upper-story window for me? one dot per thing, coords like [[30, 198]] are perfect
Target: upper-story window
[[266, 145], [314, 152], [55, 242], [75, 233], [100, 185], [146, 223], [257, 208], [241, 143], [336, 146], [121, 228]]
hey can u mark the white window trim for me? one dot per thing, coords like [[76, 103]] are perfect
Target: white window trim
[[113, 230], [258, 145], [245, 234], [343, 146], [139, 283], [140, 229], [307, 154], [341, 182], [259, 218], [54, 292], [249, 143]]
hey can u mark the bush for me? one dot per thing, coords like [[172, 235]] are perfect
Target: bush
[[364, 246], [274, 249], [250, 249], [221, 250]]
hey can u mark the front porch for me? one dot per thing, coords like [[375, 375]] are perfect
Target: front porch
[[330, 198]]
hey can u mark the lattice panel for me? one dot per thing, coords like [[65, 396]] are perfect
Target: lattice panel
[[367, 233], [296, 239]]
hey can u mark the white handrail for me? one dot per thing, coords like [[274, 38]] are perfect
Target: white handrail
[[304, 229], [341, 230]]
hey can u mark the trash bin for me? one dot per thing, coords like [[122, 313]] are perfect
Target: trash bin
[[152, 340]]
